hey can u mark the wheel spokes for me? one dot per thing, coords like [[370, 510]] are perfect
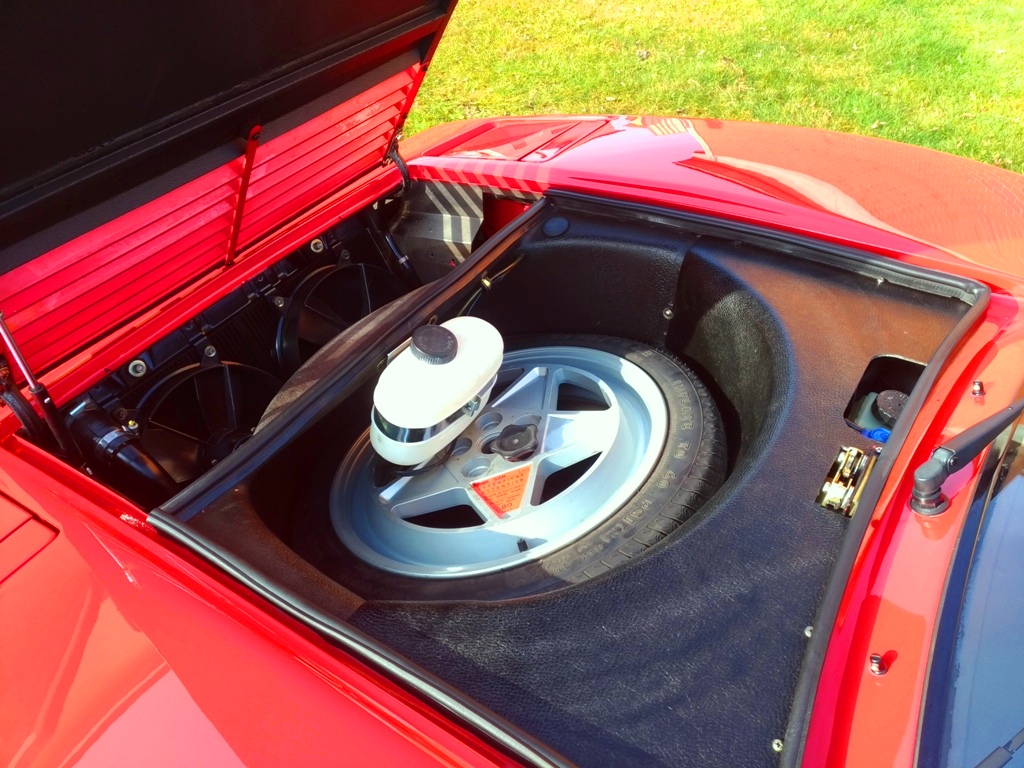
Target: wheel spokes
[[533, 392], [413, 495], [601, 424], [570, 436]]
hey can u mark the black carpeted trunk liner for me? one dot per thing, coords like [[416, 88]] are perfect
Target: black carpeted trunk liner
[[689, 656]]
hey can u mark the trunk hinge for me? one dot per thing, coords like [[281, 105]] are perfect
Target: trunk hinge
[[393, 156], [243, 190]]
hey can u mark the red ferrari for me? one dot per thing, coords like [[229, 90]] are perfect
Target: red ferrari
[[596, 440]]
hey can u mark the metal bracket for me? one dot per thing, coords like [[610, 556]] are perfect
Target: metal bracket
[[845, 481], [393, 156]]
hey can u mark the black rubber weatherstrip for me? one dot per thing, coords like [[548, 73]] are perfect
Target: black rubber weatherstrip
[[971, 292], [838, 256], [170, 518], [364, 351], [483, 722]]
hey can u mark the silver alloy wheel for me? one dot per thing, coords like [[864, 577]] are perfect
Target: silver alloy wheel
[[602, 424]]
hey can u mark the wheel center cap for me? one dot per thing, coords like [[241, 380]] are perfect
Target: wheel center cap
[[516, 442]]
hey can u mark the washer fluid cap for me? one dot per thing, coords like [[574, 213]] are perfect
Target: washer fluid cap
[[420, 399]]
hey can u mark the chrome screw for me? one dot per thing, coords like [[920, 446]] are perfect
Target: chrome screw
[[777, 745], [279, 301], [210, 351], [317, 245], [138, 368], [808, 631], [878, 665], [668, 313], [978, 389]]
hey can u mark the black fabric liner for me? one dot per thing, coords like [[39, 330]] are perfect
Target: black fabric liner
[[689, 656]]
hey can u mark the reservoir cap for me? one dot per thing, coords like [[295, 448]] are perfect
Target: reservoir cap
[[434, 344]]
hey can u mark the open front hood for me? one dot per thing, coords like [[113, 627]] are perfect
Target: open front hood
[[101, 99]]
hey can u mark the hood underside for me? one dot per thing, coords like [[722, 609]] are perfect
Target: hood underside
[[100, 102]]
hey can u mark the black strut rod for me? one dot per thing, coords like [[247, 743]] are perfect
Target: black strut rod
[[42, 397]]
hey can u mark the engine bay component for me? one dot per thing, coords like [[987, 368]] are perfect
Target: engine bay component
[[199, 414], [326, 302], [881, 395], [432, 389], [115, 455], [845, 481], [33, 427], [436, 226], [41, 396]]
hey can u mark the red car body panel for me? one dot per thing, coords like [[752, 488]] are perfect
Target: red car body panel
[[917, 204], [186, 644], [155, 659]]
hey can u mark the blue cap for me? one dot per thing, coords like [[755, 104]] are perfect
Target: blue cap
[[881, 434]]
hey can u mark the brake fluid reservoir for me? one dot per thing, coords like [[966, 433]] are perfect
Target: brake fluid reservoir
[[433, 388]]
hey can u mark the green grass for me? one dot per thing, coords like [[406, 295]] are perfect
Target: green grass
[[939, 74]]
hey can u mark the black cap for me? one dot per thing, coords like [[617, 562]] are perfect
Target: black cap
[[889, 405], [434, 345], [516, 441]]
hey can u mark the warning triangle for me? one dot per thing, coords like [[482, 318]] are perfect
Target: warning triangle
[[504, 493]]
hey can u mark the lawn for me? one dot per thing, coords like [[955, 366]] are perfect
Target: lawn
[[939, 74]]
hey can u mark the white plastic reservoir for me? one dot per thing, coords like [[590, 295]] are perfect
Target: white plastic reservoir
[[433, 388]]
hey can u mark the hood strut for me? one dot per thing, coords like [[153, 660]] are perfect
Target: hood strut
[[42, 398]]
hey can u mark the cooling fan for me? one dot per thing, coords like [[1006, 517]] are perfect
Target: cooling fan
[[325, 303], [199, 414]]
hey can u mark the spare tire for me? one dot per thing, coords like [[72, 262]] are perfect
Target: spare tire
[[631, 445]]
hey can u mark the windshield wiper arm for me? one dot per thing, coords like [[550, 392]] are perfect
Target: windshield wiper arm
[[927, 496], [1000, 756]]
